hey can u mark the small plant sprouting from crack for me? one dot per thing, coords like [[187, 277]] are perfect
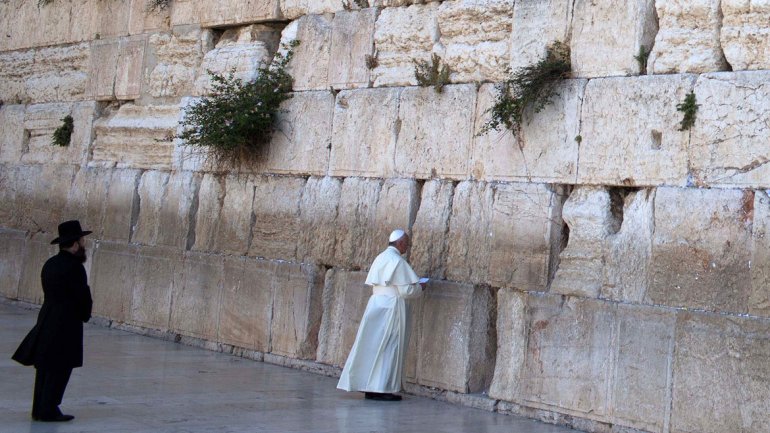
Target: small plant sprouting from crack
[[432, 73], [157, 5], [689, 108], [371, 61], [63, 134], [641, 58]]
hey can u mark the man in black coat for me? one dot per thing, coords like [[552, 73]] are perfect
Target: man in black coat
[[55, 345]]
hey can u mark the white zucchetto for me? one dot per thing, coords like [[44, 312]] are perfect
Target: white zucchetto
[[396, 235]]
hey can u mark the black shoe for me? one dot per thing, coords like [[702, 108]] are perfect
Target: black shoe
[[382, 396], [56, 418]]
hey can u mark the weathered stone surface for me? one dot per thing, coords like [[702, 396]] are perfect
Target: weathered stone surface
[[223, 222], [40, 122], [727, 356], [630, 27], [276, 224], [112, 18], [176, 56], [634, 139], [121, 204], [759, 300], [476, 38], [166, 202], [136, 136], [145, 20], [366, 126], [436, 132], [11, 261], [526, 231], [196, 298], [588, 213], [317, 220], [352, 40], [456, 350], [102, 69], [112, 280], [397, 206], [41, 209], [688, 39], [536, 24], [9, 184], [429, 232], [744, 35], [728, 147], [511, 344], [344, 300], [469, 234], [310, 65], [692, 265], [242, 50], [211, 195], [247, 302], [403, 35], [545, 150], [569, 335], [158, 269], [297, 302], [12, 136], [128, 76], [36, 252], [301, 146], [87, 199], [230, 12], [293, 9]]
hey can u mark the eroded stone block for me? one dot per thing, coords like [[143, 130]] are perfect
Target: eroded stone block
[[344, 300], [177, 56], [40, 122], [130, 66], [112, 280], [247, 301], [145, 20], [293, 9], [536, 24], [120, 205], [9, 184], [352, 40], [365, 133], [356, 212], [41, 209], [36, 252], [11, 262], [297, 302], [196, 298], [230, 12], [511, 344], [211, 195], [235, 218], [692, 265], [87, 199], [112, 18], [166, 201], [728, 143], [317, 220], [103, 66], [470, 232], [276, 211], [627, 142], [759, 300], [12, 135], [428, 255], [158, 269], [744, 35], [310, 64], [436, 132], [688, 39]]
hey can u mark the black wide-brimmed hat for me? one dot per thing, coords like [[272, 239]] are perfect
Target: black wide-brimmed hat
[[70, 231]]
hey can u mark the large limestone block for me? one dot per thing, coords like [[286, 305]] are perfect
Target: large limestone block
[[310, 65], [112, 17], [759, 300], [397, 205], [144, 20], [701, 257], [166, 208], [429, 232], [728, 147], [112, 280], [121, 205], [317, 220], [436, 131], [744, 34], [158, 269], [403, 35], [536, 24], [511, 344], [276, 224], [231, 12], [40, 122], [568, 335], [196, 297], [223, 221], [688, 39], [356, 212], [352, 41], [175, 56], [11, 261], [15, 68], [296, 314], [211, 195], [130, 66], [476, 52], [545, 150], [9, 184], [136, 136], [241, 50], [623, 29], [301, 145], [470, 236], [344, 300], [41, 208], [365, 130], [247, 302], [526, 234], [102, 69], [456, 348], [293, 9], [36, 252], [12, 133], [720, 375], [630, 131], [87, 199]]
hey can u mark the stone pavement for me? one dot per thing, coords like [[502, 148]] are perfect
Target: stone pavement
[[132, 383]]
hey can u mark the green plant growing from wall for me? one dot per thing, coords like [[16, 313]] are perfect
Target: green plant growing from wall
[[530, 86], [63, 134], [371, 61], [689, 108], [238, 119], [432, 73], [641, 58], [157, 5]]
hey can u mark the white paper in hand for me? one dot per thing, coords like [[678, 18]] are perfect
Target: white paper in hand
[[424, 280]]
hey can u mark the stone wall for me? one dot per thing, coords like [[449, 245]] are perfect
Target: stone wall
[[601, 269]]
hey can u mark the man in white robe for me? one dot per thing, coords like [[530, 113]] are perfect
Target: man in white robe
[[376, 360]]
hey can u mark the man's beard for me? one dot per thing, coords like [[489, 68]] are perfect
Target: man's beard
[[81, 254]]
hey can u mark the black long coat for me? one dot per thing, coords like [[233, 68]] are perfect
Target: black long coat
[[56, 341]]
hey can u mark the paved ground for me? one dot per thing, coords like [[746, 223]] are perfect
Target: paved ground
[[139, 384]]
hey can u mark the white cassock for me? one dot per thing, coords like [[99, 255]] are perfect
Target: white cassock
[[376, 360]]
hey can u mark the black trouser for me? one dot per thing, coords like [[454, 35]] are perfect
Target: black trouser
[[49, 391]]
